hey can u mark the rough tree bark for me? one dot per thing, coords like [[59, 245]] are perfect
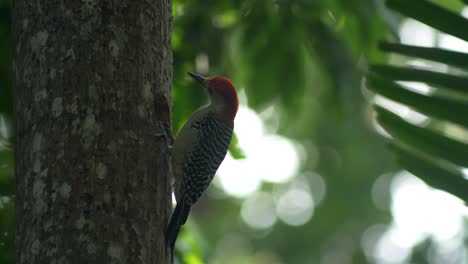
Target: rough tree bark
[[92, 98]]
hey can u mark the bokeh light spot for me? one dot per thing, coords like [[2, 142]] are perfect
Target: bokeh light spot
[[258, 211], [413, 32], [295, 207], [269, 157]]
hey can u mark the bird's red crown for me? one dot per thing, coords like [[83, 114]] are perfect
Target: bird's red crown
[[223, 86]]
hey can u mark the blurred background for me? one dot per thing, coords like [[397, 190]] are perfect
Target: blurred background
[[309, 177]]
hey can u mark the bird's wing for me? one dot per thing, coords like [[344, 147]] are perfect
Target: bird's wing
[[202, 159]]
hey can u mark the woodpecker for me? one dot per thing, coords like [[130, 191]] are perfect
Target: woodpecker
[[200, 147]]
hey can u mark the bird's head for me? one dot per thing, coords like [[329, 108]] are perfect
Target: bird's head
[[222, 93]]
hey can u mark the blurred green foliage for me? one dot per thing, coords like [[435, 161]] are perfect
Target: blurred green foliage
[[305, 60]]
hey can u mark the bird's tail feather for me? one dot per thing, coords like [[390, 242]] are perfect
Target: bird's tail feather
[[179, 217]]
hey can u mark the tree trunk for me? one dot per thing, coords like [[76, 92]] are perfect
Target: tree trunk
[[92, 98]]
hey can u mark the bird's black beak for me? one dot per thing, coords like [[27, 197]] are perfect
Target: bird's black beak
[[200, 79]]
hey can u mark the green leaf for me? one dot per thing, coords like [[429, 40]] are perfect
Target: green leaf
[[432, 15], [337, 62], [432, 173], [439, 107], [188, 248], [454, 5], [448, 81], [234, 148], [454, 58], [423, 139]]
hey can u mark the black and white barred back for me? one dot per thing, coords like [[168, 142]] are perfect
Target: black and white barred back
[[203, 162]]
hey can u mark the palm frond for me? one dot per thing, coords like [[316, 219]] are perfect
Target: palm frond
[[437, 159]]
